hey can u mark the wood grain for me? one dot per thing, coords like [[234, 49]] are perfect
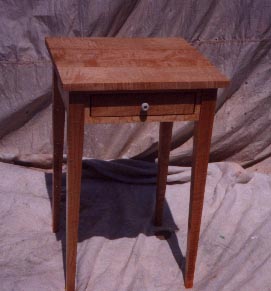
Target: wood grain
[[103, 64], [75, 136], [130, 104], [202, 143], [58, 115], [130, 57], [138, 118], [107, 67], [165, 133]]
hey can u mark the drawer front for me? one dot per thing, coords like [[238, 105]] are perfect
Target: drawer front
[[134, 104]]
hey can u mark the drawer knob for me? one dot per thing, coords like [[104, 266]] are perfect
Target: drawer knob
[[145, 106]]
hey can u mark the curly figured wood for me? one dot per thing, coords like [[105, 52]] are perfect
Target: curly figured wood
[[104, 64], [202, 143], [75, 136]]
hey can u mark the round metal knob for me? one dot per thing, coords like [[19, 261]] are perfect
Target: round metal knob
[[145, 106]]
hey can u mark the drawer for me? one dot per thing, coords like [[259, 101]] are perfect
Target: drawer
[[134, 104]]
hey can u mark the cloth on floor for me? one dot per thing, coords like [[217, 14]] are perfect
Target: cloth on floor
[[119, 247]]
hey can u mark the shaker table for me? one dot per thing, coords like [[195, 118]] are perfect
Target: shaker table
[[114, 80]]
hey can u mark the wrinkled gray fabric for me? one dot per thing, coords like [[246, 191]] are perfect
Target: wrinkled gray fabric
[[118, 248], [234, 35]]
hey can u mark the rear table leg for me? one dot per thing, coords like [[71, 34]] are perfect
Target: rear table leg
[[165, 134], [58, 140]]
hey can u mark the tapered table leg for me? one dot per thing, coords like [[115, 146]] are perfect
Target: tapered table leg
[[75, 137], [165, 133], [58, 140], [202, 142]]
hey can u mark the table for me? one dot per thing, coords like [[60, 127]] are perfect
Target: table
[[114, 80]]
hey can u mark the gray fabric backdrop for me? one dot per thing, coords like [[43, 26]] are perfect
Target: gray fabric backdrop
[[234, 35]]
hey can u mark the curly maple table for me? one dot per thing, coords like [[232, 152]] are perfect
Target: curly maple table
[[113, 80]]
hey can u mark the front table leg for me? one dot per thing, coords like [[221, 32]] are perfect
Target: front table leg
[[201, 148], [75, 137], [165, 133]]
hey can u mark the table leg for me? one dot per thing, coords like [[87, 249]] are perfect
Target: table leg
[[201, 148], [165, 133], [58, 140], [75, 137]]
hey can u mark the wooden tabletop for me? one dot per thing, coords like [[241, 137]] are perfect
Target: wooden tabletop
[[116, 64]]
